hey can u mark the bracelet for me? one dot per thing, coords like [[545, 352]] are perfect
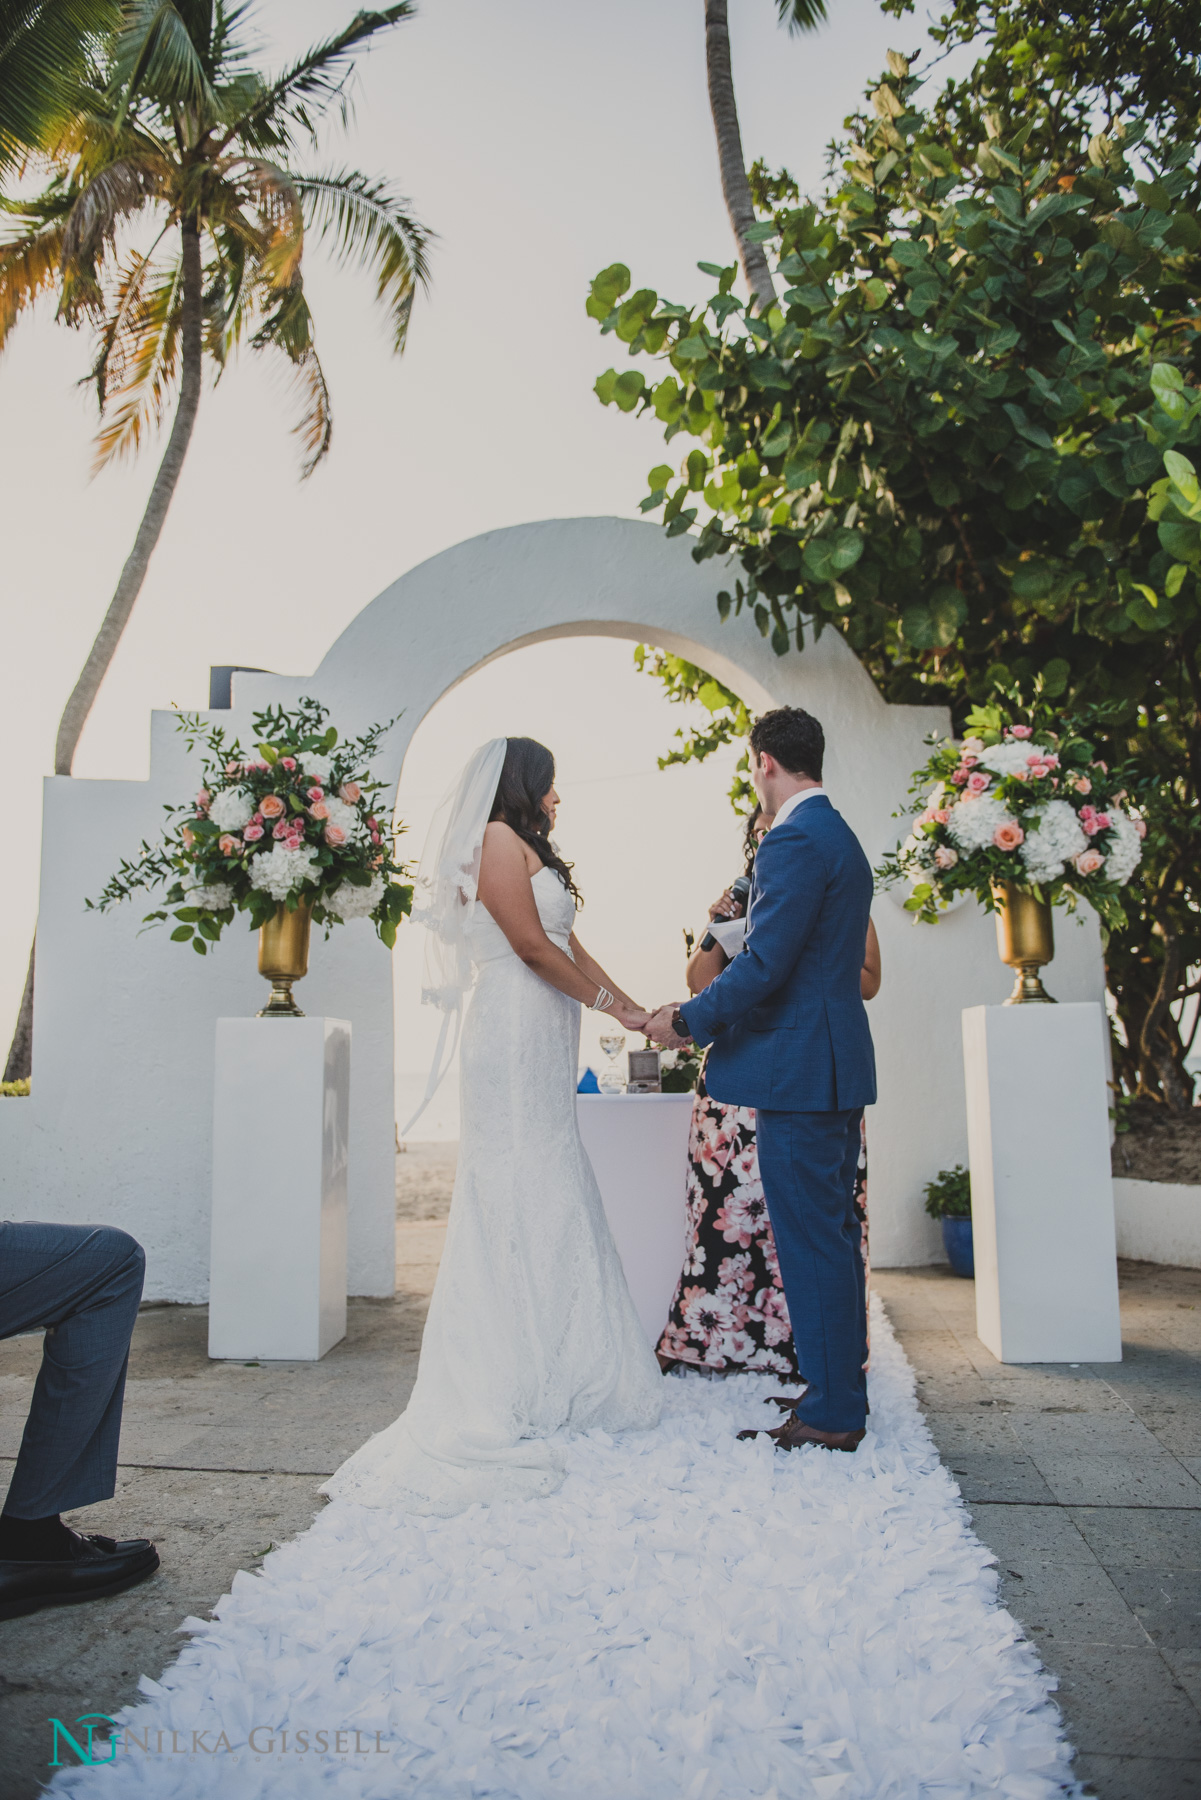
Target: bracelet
[[603, 998]]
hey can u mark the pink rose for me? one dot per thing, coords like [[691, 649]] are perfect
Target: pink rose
[[287, 762], [258, 818], [959, 777], [203, 800], [319, 810], [968, 762], [232, 768], [942, 816], [1008, 837], [316, 793], [291, 842], [373, 824], [335, 837], [350, 791], [1034, 757], [1104, 767], [375, 837], [945, 857], [1083, 785], [1038, 769], [1021, 731], [271, 806], [281, 829], [228, 845], [1088, 862], [252, 833], [977, 782], [1140, 825], [1103, 821], [1050, 758]]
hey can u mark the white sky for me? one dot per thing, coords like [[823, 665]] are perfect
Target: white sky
[[542, 140]]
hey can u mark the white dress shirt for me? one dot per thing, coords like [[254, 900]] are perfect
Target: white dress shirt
[[793, 801]]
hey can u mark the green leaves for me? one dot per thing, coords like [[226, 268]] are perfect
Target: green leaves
[[935, 623], [826, 558], [623, 391], [606, 289]]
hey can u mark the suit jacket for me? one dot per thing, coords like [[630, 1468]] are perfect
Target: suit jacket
[[785, 1019]]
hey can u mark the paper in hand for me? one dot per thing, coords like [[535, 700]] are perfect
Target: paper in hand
[[730, 934]]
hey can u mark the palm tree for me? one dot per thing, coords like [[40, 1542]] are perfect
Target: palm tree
[[799, 16], [174, 222], [44, 47]]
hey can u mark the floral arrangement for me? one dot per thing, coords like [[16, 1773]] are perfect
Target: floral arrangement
[[679, 1070], [1017, 802], [296, 821]]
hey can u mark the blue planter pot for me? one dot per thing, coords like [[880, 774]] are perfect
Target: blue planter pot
[[957, 1242]]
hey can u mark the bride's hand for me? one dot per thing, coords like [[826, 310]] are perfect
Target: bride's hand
[[634, 1018]]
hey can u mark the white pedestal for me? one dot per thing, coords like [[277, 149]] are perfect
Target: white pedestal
[[281, 1122], [1042, 1195], [638, 1146]]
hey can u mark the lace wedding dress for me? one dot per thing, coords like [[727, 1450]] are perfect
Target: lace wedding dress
[[531, 1327]]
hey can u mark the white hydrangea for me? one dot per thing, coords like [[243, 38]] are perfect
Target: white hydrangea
[[1125, 846], [1009, 757], [973, 821], [280, 872], [231, 809], [1052, 841], [345, 816], [350, 902], [213, 898], [316, 766]]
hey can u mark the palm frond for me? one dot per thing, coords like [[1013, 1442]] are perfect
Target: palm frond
[[317, 81], [117, 342], [113, 194], [154, 54], [45, 49], [801, 15], [151, 363], [365, 222], [30, 266], [273, 193], [290, 329]]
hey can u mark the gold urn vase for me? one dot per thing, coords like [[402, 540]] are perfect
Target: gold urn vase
[[1025, 941], [284, 958]]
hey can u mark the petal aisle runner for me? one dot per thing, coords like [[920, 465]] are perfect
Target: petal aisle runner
[[688, 1618]]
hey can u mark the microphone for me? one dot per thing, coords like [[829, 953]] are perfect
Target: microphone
[[740, 887]]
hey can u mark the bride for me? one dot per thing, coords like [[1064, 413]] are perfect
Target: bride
[[531, 1327]]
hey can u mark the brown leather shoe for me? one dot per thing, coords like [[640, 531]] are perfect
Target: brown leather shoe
[[791, 1435]]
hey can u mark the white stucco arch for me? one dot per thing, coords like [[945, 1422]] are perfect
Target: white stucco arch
[[118, 1124]]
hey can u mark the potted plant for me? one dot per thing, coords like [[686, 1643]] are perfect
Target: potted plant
[[289, 835], [1026, 818], [949, 1199]]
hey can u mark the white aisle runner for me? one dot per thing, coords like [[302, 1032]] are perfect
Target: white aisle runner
[[689, 1618]]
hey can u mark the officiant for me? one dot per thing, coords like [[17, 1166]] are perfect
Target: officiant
[[729, 1314]]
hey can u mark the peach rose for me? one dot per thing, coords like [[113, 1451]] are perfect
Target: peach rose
[[945, 857], [319, 809], [188, 836], [1140, 825], [1088, 862], [271, 806], [1083, 785], [1008, 837], [942, 816], [233, 768], [335, 837], [350, 791], [228, 846]]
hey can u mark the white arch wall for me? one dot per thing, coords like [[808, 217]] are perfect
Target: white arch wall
[[118, 1124]]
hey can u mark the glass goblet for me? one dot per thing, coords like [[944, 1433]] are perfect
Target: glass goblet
[[611, 1080]]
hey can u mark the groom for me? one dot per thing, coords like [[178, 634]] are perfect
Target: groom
[[789, 1036]]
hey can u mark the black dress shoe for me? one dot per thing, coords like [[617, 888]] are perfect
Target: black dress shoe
[[96, 1566], [792, 1435]]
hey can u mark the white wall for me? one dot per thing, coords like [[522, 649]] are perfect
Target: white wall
[[1159, 1221], [118, 1124]]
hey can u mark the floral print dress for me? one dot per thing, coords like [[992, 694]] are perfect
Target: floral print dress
[[729, 1313]]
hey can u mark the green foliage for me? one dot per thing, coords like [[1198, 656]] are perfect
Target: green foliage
[[946, 441], [729, 720], [949, 1195], [682, 1074]]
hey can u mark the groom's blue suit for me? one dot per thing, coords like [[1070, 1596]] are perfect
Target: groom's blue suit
[[790, 1037]]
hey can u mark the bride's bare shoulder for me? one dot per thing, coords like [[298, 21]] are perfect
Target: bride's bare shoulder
[[506, 850]]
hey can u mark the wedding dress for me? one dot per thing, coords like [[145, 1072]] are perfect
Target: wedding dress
[[531, 1327]]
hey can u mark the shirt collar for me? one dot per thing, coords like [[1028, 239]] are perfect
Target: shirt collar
[[793, 801]]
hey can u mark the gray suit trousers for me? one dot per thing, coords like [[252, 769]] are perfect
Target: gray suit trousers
[[81, 1284]]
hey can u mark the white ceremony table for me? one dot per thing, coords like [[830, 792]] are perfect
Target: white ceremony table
[[638, 1146]]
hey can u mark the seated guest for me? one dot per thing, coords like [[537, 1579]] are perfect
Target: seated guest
[[81, 1285], [729, 1314]]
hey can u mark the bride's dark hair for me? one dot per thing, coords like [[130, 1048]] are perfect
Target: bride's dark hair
[[529, 774]]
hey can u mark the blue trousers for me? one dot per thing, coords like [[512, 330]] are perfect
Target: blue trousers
[[808, 1162], [81, 1284]]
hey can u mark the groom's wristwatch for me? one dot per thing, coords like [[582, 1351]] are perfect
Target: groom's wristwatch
[[680, 1025]]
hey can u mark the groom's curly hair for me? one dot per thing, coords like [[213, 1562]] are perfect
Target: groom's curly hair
[[529, 774], [794, 737]]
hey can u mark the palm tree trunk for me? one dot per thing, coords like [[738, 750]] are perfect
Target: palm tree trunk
[[83, 696], [734, 184]]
